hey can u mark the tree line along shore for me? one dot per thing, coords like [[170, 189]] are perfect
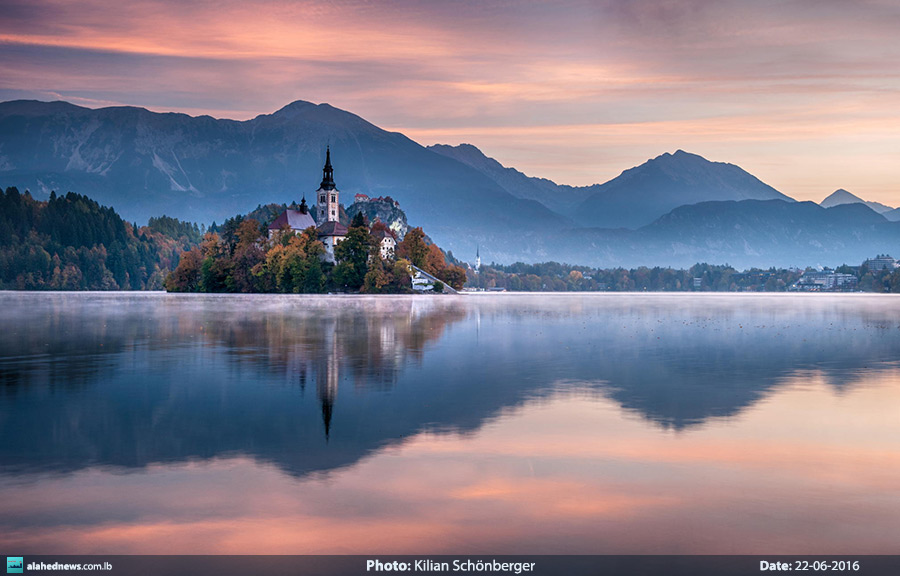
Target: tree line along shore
[[70, 242]]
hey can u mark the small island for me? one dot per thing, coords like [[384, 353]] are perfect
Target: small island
[[301, 253]]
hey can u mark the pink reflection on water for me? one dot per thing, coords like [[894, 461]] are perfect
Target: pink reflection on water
[[801, 473]]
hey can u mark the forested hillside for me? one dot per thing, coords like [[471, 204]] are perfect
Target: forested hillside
[[71, 242]]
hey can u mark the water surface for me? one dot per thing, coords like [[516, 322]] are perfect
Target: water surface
[[598, 423]]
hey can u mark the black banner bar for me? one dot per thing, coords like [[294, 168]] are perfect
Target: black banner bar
[[462, 565]]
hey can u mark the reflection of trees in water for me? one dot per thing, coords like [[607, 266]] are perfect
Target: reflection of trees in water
[[68, 343], [61, 345], [174, 382], [369, 346], [158, 378], [680, 360], [649, 348]]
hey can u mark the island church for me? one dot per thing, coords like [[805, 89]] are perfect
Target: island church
[[331, 231]]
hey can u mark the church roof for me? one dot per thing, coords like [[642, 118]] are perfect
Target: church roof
[[381, 234], [332, 228], [294, 219]]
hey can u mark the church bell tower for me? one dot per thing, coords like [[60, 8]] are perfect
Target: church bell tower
[[327, 195]]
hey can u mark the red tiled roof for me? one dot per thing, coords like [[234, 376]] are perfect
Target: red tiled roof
[[294, 219]]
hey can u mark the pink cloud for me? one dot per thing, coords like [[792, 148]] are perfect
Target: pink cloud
[[769, 84]]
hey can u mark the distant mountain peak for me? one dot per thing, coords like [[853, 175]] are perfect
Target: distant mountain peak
[[677, 154], [678, 164], [680, 158], [642, 194], [300, 108], [841, 196], [465, 147], [294, 108], [471, 155]]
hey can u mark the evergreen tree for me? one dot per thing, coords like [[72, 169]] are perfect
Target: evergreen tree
[[87, 246], [352, 256]]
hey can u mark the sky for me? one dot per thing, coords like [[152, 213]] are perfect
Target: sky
[[804, 94]]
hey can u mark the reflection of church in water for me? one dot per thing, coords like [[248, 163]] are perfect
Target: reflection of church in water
[[349, 347], [325, 369], [366, 350]]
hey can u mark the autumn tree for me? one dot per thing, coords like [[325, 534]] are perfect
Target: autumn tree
[[248, 254], [414, 247], [379, 226], [455, 276], [186, 276], [401, 280], [294, 264], [434, 260], [378, 278]]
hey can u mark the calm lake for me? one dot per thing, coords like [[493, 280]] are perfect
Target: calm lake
[[598, 423]]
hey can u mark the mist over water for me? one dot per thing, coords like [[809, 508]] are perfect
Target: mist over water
[[594, 423]]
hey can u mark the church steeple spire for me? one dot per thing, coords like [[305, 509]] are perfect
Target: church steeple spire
[[327, 172], [328, 206]]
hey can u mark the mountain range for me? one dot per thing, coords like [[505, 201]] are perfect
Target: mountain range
[[642, 194], [749, 233], [675, 209], [558, 197], [198, 168]]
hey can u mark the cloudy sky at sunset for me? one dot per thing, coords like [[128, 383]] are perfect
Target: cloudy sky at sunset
[[803, 94]]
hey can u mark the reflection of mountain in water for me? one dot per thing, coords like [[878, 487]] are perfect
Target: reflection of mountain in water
[[317, 383]]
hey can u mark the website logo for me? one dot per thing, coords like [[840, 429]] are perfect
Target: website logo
[[14, 565]]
